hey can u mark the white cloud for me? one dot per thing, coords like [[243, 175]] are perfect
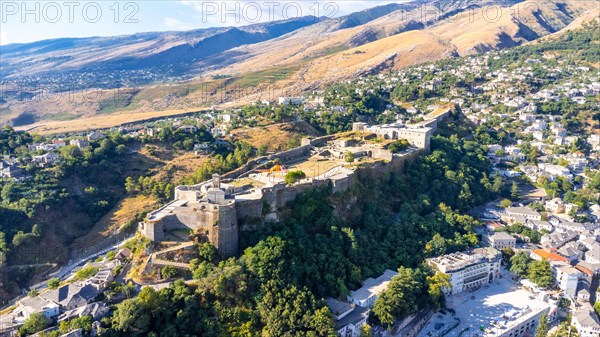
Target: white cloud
[[4, 38], [173, 23], [245, 12]]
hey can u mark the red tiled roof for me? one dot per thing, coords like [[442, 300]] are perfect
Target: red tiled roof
[[544, 254], [584, 270]]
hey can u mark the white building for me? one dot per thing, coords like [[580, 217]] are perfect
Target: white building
[[291, 100], [593, 255], [418, 137], [80, 143], [539, 225], [349, 318], [555, 170], [566, 278], [555, 205], [469, 270], [366, 295], [524, 212], [46, 159], [35, 305], [499, 240], [95, 135], [586, 321]]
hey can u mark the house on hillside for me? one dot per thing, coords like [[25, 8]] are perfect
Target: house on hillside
[[188, 128], [586, 321], [366, 295], [96, 310], [349, 318], [520, 213], [71, 296], [95, 135], [35, 305], [80, 143], [499, 240], [47, 159], [102, 279], [13, 172]]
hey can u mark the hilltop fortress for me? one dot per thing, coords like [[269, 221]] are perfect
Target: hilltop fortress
[[221, 207]]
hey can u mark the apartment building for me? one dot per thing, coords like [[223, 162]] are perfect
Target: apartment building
[[469, 270]]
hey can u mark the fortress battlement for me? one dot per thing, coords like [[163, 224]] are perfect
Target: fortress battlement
[[219, 207]]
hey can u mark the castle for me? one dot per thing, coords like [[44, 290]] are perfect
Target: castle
[[216, 209], [219, 208], [206, 208]]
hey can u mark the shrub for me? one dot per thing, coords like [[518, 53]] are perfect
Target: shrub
[[505, 203], [168, 272], [85, 273], [294, 176], [349, 157], [111, 255], [398, 145], [35, 323], [53, 283]]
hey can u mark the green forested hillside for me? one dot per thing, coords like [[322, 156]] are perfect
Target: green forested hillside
[[317, 250]]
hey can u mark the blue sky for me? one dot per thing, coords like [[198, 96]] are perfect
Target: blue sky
[[28, 21]]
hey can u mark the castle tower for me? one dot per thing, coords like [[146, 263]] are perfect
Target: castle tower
[[228, 231], [221, 223], [216, 181], [215, 196], [359, 126]]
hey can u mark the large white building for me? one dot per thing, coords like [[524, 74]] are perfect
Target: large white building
[[555, 171], [499, 240], [523, 212], [469, 270], [366, 295], [503, 309], [566, 278], [520, 323], [416, 136]]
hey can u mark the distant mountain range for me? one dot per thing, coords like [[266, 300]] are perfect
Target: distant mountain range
[[183, 70], [171, 51], [179, 52]]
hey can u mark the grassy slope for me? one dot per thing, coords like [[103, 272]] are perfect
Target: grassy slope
[[276, 136]]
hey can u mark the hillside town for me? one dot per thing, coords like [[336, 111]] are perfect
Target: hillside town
[[508, 247]]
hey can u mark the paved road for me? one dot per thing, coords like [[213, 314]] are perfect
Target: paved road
[[71, 266]]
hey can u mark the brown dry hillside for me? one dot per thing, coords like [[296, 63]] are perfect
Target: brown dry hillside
[[103, 234], [166, 167], [459, 35], [322, 53], [329, 55], [277, 137]]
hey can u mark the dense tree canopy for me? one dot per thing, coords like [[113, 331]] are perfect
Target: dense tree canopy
[[540, 273], [519, 263], [274, 287]]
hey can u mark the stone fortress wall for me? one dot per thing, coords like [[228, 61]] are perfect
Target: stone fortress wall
[[219, 210]]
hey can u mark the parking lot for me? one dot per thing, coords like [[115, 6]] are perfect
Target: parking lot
[[470, 312]]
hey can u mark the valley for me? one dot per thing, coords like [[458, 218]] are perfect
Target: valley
[[421, 169], [310, 55]]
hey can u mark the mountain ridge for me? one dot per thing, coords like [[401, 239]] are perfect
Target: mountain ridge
[[302, 57]]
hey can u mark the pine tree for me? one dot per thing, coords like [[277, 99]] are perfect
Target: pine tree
[[542, 328], [519, 263], [130, 185], [540, 273], [515, 193]]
